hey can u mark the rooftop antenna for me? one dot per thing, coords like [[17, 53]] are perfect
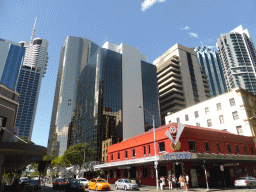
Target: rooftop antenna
[[33, 33]]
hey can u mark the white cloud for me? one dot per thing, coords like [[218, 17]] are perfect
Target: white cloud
[[194, 35], [149, 3], [186, 28]]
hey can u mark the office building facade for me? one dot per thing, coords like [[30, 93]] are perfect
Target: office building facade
[[238, 57], [181, 80], [210, 62], [75, 54], [233, 111], [116, 79], [11, 58], [32, 71]]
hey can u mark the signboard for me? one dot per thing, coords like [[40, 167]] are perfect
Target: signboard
[[176, 145], [177, 156]]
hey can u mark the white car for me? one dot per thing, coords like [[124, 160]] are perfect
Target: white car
[[84, 181], [247, 181], [125, 184]]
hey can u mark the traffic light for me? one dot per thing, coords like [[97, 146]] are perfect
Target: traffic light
[[203, 164]]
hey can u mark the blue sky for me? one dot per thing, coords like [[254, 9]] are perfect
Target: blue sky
[[153, 26]]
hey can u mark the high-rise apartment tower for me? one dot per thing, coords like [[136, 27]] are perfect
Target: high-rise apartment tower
[[238, 59]]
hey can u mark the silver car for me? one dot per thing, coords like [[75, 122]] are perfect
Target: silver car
[[246, 181], [125, 184]]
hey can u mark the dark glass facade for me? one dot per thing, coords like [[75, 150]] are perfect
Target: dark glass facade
[[12, 66], [99, 112], [27, 87]]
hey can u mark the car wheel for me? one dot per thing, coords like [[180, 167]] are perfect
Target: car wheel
[[251, 186], [125, 188], [116, 187], [96, 188]]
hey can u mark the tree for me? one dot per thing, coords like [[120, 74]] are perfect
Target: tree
[[29, 142], [78, 154]]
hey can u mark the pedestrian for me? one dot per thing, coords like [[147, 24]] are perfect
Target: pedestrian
[[162, 184], [170, 181], [174, 181], [187, 182]]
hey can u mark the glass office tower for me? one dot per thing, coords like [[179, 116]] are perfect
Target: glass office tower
[[210, 61], [106, 101], [11, 58]]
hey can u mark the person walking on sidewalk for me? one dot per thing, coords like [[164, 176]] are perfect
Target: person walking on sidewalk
[[174, 181], [187, 182], [170, 181], [162, 184]]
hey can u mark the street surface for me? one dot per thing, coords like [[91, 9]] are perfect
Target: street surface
[[48, 188]]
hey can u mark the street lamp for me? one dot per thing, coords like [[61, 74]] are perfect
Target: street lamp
[[156, 163]]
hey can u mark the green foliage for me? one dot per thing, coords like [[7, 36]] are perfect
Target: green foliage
[[59, 161], [75, 154], [29, 142]]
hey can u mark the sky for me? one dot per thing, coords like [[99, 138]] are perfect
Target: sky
[[153, 26]]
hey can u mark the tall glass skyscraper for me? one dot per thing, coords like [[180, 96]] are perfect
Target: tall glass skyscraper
[[11, 58], [75, 54], [116, 79], [238, 58], [209, 60], [33, 69]]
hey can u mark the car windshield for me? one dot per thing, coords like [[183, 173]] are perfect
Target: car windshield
[[82, 179], [61, 180], [34, 181], [101, 181], [242, 178], [76, 181]]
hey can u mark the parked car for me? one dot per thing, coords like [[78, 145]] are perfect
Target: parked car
[[98, 184], [59, 183], [30, 185], [125, 184], [247, 181], [84, 181], [76, 185]]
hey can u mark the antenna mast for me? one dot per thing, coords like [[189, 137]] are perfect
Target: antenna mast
[[33, 33]]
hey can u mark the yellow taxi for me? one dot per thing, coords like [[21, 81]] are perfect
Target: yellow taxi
[[98, 184]]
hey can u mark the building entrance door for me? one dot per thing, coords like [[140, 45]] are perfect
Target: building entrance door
[[178, 171], [133, 172]]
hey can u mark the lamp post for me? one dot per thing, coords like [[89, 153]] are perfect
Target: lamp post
[[156, 163]]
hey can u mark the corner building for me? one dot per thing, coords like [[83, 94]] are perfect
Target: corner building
[[134, 158], [116, 79]]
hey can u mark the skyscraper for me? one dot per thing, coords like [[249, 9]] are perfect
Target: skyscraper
[[115, 80], [32, 72], [209, 60], [11, 58], [238, 59], [181, 80], [75, 54]]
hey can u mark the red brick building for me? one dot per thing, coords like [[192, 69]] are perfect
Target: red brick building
[[226, 156]]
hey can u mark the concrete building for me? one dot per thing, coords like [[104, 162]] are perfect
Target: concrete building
[[74, 56], [181, 80], [234, 111], [210, 61], [238, 57], [115, 80], [8, 112], [32, 71], [11, 59]]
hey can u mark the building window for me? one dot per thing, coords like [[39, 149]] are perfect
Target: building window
[[186, 117], [235, 115], [252, 151], [118, 155], [126, 155], [133, 153], [161, 147], [245, 150], [148, 149], [229, 148], [178, 120], [221, 118], [196, 114], [218, 147], [239, 130], [192, 146], [232, 102], [111, 157], [198, 124], [237, 149], [207, 147], [209, 122], [218, 105], [144, 150], [207, 110]]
